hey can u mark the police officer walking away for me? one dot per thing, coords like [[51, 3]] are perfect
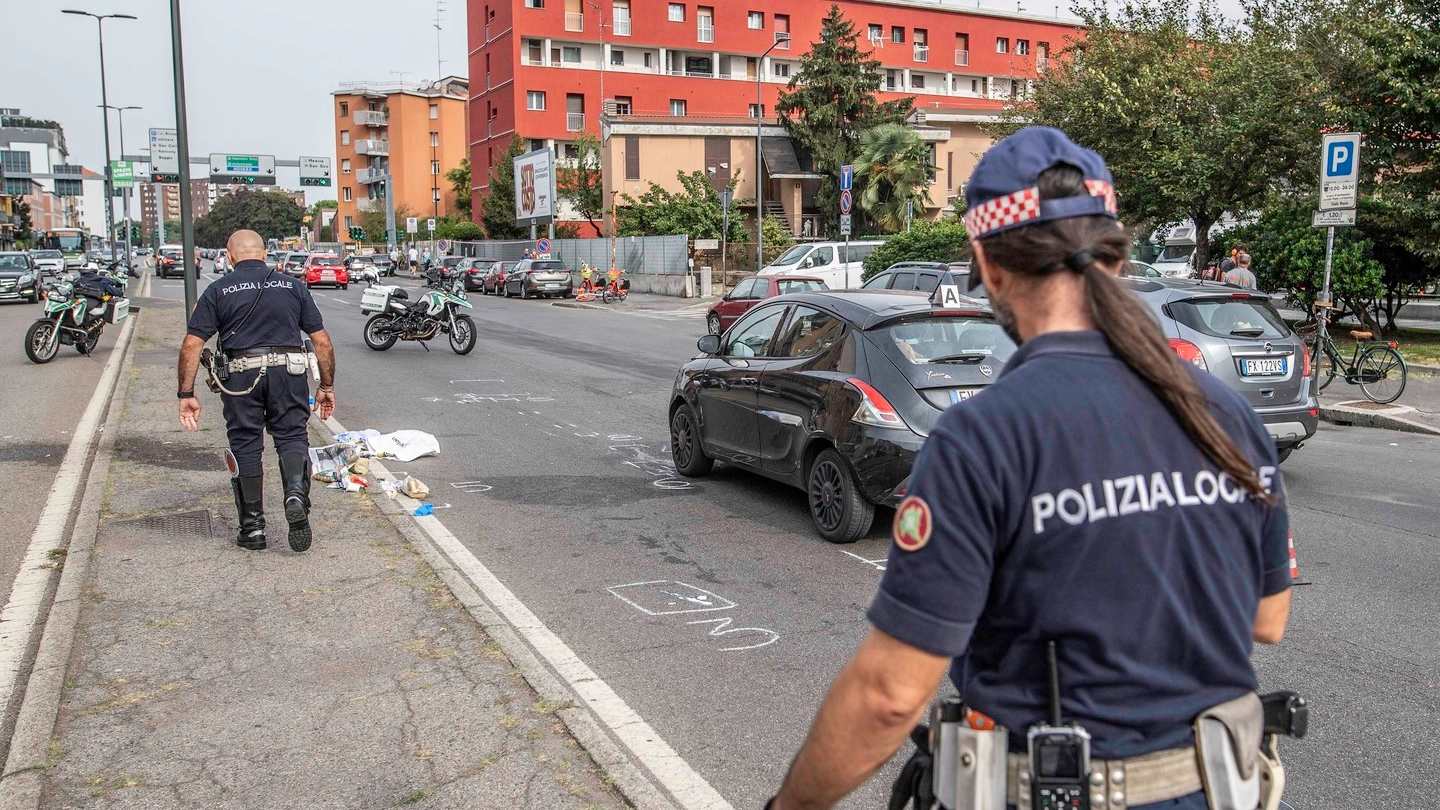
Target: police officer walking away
[[258, 316], [1102, 502]]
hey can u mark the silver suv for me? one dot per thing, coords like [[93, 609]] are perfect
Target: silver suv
[[1238, 336]]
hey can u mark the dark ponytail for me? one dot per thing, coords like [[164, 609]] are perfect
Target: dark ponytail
[[1036, 251]]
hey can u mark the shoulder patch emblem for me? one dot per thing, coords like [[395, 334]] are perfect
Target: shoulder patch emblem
[[912, 524]]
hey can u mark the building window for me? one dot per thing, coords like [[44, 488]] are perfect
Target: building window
[[677, 12], [574, 112], [677, 107], [917, 81], [922, 45], [757, 20], [69, 188], [344, 108], [1002, 45], [705, 24], [434, 139], [349, 223], [897, 34], [1042, 55], [434, 111], [534, 51], [345, 192], [617, 56], [632, 157], [570, 152], [344, 137], [536, 144], [877, 33], [535, 100], [782, 26], [780, 69], [18, 162], [574, 16], [647, 59], [434, 167], [620, 18], [623, 105], [962, 49], [757, 110], [1022, 47], [534, 3], [890, 79], [345, 166], [571, 55]]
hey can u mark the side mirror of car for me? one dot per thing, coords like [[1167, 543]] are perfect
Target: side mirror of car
[[708, 344]]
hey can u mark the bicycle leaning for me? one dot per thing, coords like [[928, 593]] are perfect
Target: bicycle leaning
[[1374, 365]]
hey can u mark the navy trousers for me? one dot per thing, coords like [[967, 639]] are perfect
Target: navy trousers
[[280, 404]]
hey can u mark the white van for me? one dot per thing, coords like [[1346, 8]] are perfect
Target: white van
[[1177, 259], [839, 265]]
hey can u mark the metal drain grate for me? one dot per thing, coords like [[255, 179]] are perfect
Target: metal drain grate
[[177, 524]]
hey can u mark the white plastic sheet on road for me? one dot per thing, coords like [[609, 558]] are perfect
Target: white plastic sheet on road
[[404, 445]]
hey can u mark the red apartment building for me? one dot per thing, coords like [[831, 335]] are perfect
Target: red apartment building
[[550, 68]]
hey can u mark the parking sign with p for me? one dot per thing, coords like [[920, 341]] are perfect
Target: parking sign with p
[[1339, 171]]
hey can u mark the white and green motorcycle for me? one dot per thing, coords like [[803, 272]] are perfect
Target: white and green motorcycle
[[435, 312], [73, 319]]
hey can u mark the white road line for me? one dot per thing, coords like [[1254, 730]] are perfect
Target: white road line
[[22, 615], [689, 788]]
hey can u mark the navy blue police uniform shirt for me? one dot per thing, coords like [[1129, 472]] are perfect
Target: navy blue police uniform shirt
[[286, 309], [1066, 503]]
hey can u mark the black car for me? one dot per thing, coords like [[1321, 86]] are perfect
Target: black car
[[834, 393], [473, 272], [919, 276], [19, 277]]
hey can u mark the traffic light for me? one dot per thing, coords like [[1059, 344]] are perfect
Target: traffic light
[[357, 233]]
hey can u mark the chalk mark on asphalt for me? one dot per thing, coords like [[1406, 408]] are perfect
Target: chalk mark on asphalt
[[471, 487], [699, 600], [722, 623], [878, 563]]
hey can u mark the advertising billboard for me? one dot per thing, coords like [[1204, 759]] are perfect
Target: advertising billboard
[[535, 187]]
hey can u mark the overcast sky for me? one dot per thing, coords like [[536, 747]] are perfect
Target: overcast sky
[[258, 73]]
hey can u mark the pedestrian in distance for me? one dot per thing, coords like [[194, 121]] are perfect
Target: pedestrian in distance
[[1228, 263], [1240, 275], [259, 318], [1102, 500], [414, 261]]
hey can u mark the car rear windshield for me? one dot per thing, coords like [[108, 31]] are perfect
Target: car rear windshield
[[551, 266], [940, 339], [326, 261], [49, 254], [800, 285], [1230, 317]]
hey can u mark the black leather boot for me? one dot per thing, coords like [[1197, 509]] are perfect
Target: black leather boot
[[250, 505], [295, 481]]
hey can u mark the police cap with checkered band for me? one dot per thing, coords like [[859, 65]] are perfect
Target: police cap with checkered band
[[1002, 193]]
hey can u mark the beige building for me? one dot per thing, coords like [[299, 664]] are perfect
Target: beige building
[[640, 150]]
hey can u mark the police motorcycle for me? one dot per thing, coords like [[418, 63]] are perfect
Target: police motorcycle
[[76, 315], [963, 760], [396, 317]]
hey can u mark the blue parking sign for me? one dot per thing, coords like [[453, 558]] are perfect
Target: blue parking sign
[[1339, 159]]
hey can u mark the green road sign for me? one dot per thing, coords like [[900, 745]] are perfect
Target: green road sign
[[122, 173]]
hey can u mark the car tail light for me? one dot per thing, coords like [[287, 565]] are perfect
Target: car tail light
[[1305, 352], [1190, 353], [1315, 412], [874, 408]]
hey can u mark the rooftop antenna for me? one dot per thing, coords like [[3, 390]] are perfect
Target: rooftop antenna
[[401, 74], [439, 71]]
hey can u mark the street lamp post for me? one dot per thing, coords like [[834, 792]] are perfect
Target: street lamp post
[[105, 102], [182, 143], [759, 158], [120, 113]]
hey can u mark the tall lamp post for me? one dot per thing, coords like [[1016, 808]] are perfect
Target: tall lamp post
[[759, 157], [120, 113], [105, 102], [182, 144]]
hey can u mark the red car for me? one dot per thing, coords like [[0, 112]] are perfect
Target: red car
[[751, 291], [326, 269]]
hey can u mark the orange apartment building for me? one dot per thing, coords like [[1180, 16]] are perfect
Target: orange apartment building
[[672, 85], [416, 132]]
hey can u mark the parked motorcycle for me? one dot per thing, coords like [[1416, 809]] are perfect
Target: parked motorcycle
[[73, 318], [396, 317]]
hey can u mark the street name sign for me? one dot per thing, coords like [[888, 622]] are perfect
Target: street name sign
[[1333, 219], [707, 244], [164, 156], [314, 171], [250, 170], [1339, 171]]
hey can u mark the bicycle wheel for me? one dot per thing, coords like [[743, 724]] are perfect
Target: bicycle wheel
[[1328, 370], [1381, 374]]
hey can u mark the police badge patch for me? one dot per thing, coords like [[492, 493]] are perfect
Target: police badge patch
[[912, 524]]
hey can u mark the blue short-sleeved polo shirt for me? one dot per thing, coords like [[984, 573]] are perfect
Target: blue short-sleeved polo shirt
[[1067, 503], [285, 309]]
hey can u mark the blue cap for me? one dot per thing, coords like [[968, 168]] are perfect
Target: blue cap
[[1002, 193]]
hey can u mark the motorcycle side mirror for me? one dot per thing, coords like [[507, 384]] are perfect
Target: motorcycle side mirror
[[708, 344]]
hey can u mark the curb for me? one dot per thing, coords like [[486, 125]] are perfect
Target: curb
[[580, 305], [1392, 418], [23, 776]]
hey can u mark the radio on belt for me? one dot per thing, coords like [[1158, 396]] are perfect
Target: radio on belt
[[1059, 753]]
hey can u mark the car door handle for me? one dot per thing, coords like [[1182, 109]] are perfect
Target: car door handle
[[750, 382]]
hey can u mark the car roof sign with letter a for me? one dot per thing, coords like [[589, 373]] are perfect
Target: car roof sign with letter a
[[946, 295]]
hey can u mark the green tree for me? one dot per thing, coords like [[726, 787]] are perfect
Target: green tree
[[459, 178], [777, 238], [582, 184], [894, 171], [271, 214], [172, 231], [24, 225], [695, 210], [831, 100], [1195, 116], [497, 207], [943, 241], [326, 234], [458, 228], [374, 223]]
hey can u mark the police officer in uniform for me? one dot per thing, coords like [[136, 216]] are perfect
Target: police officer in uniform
[[1101, 495], [259, 316]]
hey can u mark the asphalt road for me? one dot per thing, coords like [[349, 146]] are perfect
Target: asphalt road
[[554, 471], [39, 407]]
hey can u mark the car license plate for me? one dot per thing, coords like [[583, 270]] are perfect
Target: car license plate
[[552, 286], [959, 395], [1263, 367]]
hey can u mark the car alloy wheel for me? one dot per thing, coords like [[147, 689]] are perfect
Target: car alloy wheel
[[689, 457], [713, 323], [840, 512]]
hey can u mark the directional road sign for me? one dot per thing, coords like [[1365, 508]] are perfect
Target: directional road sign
[[250, 170], [314, 171], [412, 225], [542, 245], [846, 201], [122, 173], [847, 177], [1339, 171], [164, 156], [1333, 219]]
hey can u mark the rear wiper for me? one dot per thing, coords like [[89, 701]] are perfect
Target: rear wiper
[[1248, 331], [968, 357]]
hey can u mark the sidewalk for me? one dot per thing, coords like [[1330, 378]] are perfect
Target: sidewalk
[[203, 675], [1416, 411]]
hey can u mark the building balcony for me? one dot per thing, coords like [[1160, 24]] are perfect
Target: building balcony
[[372, 146], [621, 27], [575, 122], [962, 57], [574, 21], [922, 53], [369, 176], [371, 118]]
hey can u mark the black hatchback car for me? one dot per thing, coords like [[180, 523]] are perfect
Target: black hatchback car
[[834, 393]]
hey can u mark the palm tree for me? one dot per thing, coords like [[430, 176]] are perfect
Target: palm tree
[[895, 167]]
